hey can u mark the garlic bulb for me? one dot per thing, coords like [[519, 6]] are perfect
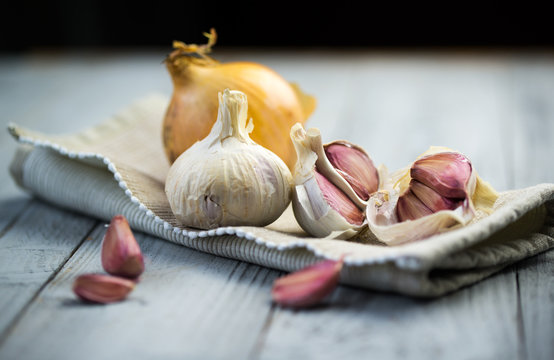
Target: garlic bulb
[[274, 104], [227, 179], [436, 193], [332, 184]]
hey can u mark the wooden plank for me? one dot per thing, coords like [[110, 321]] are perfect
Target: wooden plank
[[32, 250], [532, 109], [13, 201], [403, 105], [355, 323], [532, 89], [536, 292], [187, 304], [397, 105], [195, 304], [10, 209], [39, 92]]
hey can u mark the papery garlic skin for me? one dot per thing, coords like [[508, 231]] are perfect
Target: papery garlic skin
[[227, 179], [325, 204], [274, 103], [316, 216], [399, 216]]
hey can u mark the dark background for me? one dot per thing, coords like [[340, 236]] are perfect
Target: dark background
[[65, 24]]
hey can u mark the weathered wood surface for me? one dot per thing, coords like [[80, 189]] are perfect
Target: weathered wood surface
[[499, 109]]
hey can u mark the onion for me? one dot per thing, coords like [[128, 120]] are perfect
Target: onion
[[273, 103]]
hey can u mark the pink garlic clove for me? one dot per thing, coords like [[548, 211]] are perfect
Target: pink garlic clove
[[355, 166], [447, 173], [339, 201], [102, 288], [308, 286], [431, 199], [409, 207], [121, 254]]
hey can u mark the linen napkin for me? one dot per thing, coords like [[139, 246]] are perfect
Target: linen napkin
[[119, 167]]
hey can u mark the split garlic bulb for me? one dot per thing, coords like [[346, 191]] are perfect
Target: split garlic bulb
[[227, 179], [332, 184], [438, 192]]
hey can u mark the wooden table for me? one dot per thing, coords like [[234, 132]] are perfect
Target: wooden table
[[498, 108]]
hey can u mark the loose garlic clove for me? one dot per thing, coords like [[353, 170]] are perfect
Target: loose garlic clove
[[121, 254], [101, 288], [325, 200], [227, 179], [308, 286], [438, 192]]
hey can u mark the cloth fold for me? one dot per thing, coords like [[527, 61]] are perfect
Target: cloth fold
[[119, 167]]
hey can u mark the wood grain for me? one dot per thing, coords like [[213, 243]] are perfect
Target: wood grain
[[355, 323], [187, 303], [532, 150], [32, 250], [536, 291], [498, 109]]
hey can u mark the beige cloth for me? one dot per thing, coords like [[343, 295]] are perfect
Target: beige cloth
[[119, 167]]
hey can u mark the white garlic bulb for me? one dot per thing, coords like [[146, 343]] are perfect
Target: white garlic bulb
[[332, 183], [227, 179]]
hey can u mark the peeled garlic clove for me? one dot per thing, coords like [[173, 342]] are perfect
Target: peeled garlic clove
[[121, 254], [308, 286], [438, 192], [325, 204], [227, 179], [102, 288], [355, 166], [447, 173]]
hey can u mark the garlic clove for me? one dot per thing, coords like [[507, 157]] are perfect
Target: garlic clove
[[447, 173], [354, 173], [409, 207], [121, 254], [420, 200], [339, 201], [355, 166], [101, 288], [308, 286], [314, 214]]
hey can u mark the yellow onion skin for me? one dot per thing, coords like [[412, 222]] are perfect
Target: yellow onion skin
[[273, 103]]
